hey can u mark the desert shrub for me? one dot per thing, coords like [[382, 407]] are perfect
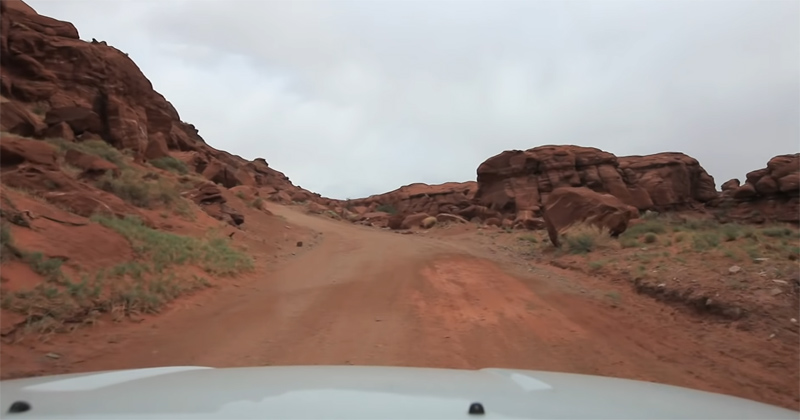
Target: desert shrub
[[628, 242], [704, 241], [49, 268], [650, 215], [169, 163], [700, 224], [386, 208], [134, 189], [731, 231], [581, 243], [166, 249], [776, 232], [93, 147], [650, 238], [597, 265], [648, 226], [258, 203], [7, 248]]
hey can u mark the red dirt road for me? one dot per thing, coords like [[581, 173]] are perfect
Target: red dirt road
[[367, 297]]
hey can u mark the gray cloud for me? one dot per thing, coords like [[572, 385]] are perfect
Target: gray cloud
[[352, 98]]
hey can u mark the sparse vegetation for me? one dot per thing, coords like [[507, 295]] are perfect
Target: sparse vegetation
[[166, 249], [597, 265], [648, 226], [581, 243], [6, 241], [628, 242], [132, 187], [140, 286], [731, 232], [585, 238], [614, 297], [258, 203], [93, 147], [49, 268], [705, 240], [169, 163], [387, 208], [674, 255], [777, 232]]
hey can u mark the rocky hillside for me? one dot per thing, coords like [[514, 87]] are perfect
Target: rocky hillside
[[56, 86]]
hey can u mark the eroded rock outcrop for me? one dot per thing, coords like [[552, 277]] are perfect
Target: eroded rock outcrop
[[518, 182], [768, 194], [452, 197], [567, 206]]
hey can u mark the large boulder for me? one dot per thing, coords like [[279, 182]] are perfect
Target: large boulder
[[16, 150], [156, 147], [210, 198], [568, 206], [16, 119], [90, 164], [79, 119], [414, 220]]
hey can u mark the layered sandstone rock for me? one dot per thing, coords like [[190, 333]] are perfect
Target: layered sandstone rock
[[567, 206], [451, 197], [518, 182], [768, 194]]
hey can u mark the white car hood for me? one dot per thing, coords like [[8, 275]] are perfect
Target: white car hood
[[361, 392]]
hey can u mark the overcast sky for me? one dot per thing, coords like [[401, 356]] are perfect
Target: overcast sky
[[352, 98]]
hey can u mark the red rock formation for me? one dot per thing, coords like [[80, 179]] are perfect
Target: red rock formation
[[451, 197], [56, 85], [518, 182], [670, 180], [92, 166], [768, 194], [566, 206], [15, 150]]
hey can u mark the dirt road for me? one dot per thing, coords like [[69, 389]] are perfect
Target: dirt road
[[363, 296]]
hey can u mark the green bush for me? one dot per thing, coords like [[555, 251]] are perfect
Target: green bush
[[650, 238], [50, 268], [134, 189], [704, 241], [386, 208], [648, 226], [93, 147], [169, 163], [166, 249], [6, 241], [628, 242], [582, 243], [777, 232]]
